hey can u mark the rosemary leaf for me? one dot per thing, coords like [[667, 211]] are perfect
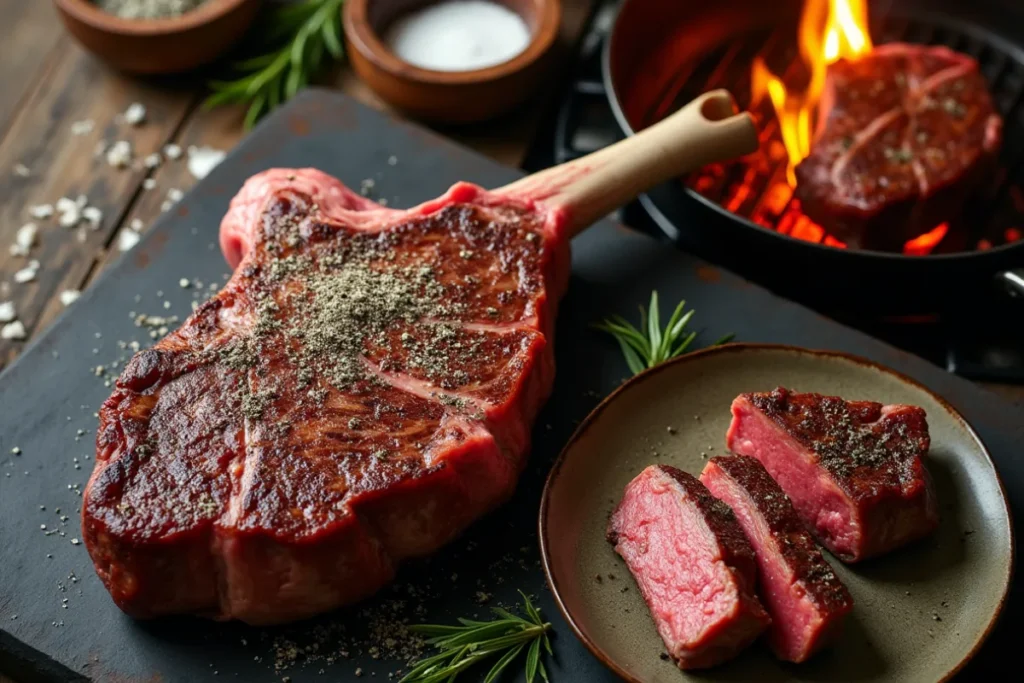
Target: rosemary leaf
[[650, 343], [461, 647], [294, 39]]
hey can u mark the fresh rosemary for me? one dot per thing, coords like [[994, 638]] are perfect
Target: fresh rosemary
[[652, 344], [295, 39], [474, 641]]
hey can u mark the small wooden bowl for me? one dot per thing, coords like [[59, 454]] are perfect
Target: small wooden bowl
[[159, 46], [447, 96]]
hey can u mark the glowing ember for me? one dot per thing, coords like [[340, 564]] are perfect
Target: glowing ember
[[920, 246], [829, 30]]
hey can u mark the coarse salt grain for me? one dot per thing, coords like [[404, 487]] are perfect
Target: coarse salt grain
[[120, 154], [172, 151], [22, 171], [136, 224], [41, 211], [202, 160], [25, 275], [83, 127], [93, 215], [149, 183], [14, 331], [69, 212], [24, 240], [126, 239], [69, 296], [7, 312], [152, 161], [135, 114]]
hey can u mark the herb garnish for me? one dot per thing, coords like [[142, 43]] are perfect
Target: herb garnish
[[652, 344], [295, 37], [463, 646]]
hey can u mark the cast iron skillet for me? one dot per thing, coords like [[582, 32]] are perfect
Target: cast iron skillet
[[646, 45]]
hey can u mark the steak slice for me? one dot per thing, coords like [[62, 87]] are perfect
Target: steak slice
[[906, 135], [694, 566], [806, 600], [854, 470], [358, 393]]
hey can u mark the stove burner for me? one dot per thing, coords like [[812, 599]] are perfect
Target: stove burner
[[982, 343]]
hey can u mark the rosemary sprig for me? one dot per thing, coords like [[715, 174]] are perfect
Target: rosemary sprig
[[295, 39], [651, 344], [461, 647]]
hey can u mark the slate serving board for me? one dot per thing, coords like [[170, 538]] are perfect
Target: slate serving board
[[52, 392]]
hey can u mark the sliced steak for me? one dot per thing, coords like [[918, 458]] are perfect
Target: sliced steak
[[854, 470], [806, 600], [359, 392], [693, 564], [907, 133]]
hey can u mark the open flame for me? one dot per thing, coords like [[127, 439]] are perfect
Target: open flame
[[829, 30]]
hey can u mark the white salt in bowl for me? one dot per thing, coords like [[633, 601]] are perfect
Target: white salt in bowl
[[451, 97]]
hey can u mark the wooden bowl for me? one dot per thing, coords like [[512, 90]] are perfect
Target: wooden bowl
[[447, 96], [159, 46]]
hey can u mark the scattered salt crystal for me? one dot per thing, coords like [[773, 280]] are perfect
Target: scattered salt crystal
[[392, 160], [202, 160], [136, 224], [184, 283], [174, 194], [152, 161], [93, 215], [172, 151], [15, 330], [69, 212], [120, 154], [134, 114], [26, 274], [83, 127], [24, 240], [41, 211], [69, 296], [149, 183], [22, 171], [127, 239], [7, 312]]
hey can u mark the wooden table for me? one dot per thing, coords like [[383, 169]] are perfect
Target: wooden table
[[48, 83]]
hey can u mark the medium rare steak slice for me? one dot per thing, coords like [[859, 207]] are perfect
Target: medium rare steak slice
[[359, 392], [693, 564], [806, 600], [854, 470], [907, 133]]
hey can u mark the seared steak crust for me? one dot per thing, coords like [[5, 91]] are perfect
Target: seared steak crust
[[854, 470], [907, 134], [358, 393], [803, 595]]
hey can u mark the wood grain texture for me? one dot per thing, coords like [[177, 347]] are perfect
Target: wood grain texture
[[28, 36]]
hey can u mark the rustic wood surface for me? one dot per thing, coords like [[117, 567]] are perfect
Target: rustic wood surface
[[48, 83]]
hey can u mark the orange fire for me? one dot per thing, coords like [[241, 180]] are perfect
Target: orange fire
[[829, 30]]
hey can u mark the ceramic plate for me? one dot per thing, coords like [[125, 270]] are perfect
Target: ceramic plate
[[920, 612]]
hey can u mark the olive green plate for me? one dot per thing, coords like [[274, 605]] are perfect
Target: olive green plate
[[920, 612]]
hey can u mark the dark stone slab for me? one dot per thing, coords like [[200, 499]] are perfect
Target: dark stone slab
[[52, 392]]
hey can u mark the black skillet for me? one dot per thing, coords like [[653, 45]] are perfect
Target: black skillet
[[645, 71]]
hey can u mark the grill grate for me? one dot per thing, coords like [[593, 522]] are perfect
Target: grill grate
[[755, 186]]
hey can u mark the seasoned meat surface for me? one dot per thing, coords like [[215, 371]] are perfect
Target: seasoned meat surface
[[855, 470], [804, 596], [358, 393], [907, 134]]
